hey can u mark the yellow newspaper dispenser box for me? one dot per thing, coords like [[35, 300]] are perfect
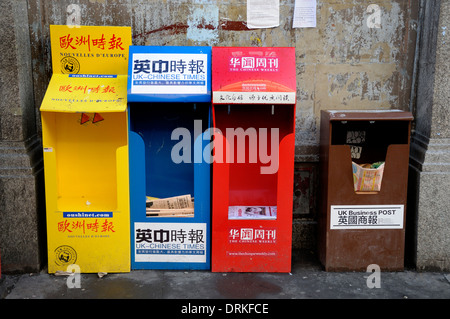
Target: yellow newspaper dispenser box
[[85, 143]]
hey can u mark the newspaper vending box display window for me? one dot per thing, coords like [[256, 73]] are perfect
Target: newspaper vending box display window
[[85, 143], [169, 96], [364, 175], [254, 120]]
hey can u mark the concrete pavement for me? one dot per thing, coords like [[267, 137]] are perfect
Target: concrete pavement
[[307, 280]]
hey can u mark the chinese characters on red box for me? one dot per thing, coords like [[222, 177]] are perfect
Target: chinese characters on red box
[[264, 64], [249, 235]]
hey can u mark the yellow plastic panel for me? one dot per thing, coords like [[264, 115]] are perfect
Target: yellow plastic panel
[[90, 49], [86, 172], [86, 93]]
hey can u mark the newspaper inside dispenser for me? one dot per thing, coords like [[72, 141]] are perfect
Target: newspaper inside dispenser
[[177, 206], [369, 143]]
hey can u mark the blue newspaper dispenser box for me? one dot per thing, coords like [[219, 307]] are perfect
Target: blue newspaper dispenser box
[[169, 103]]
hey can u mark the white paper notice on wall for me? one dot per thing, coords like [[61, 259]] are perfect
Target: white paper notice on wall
[[263, 14], [304, 14]]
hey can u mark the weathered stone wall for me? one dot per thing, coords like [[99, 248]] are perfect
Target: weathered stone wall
[[22, 219], [429, 207]]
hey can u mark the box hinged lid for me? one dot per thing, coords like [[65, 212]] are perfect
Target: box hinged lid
[[169, 73], [89, 69], [254, 75], [86, 93]]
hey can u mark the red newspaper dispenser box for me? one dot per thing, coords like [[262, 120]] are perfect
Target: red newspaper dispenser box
[[254, 121]]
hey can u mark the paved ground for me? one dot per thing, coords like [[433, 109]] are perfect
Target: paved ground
[[306, 281]]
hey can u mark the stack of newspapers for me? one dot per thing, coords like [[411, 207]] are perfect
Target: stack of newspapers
[[178, 206], [252, 212]]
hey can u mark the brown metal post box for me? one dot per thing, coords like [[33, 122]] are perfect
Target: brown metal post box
[[364, 174]]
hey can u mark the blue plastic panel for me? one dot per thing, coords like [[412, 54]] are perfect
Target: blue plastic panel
[[169, 74], [154, 173]]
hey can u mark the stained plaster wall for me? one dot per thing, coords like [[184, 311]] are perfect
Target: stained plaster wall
[[341, 64]]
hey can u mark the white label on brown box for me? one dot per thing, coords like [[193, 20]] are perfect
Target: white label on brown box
[[366, 216]]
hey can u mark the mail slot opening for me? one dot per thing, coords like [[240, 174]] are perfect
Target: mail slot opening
[[168, 134], [252, 151], [368, 143], [85, 153]]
